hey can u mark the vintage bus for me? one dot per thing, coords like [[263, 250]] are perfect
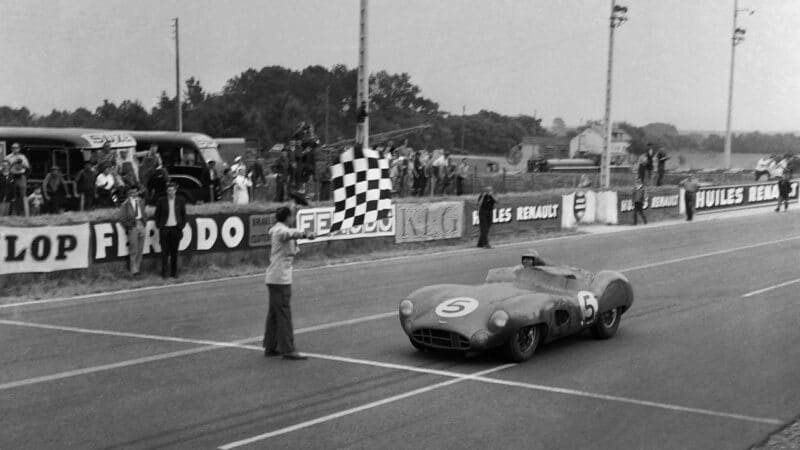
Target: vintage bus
[[184, 155], [67, 148]]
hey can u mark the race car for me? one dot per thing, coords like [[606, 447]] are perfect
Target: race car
[[516, 308]]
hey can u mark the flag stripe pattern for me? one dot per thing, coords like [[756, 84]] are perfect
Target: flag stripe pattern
[[362, 188]]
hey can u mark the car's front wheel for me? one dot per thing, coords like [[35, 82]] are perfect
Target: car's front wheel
[[607, 324], [416, 344], [523, 343]]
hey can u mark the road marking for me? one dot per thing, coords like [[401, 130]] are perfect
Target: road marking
[[479, 377], [705, 255], [242, 344], [357, 409], [207, 346], [767, 289]]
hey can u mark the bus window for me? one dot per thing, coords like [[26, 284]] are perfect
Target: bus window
[[189, 157], [40, 159]]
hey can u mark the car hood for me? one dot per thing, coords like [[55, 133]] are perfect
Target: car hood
[[489, 297]]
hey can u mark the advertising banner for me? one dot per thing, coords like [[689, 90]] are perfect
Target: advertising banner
[[318, 220], [518, 213], [418, 222], [723, 197], [44, 249], [657, 206], [579, 207], [201, 234]]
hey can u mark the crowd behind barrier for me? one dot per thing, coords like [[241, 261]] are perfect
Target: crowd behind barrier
[[221, 230]]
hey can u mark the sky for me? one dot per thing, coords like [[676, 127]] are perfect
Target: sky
[[546, 58]]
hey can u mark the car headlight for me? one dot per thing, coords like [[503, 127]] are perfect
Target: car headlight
[[406, 307], [479, 339], [499, 319]]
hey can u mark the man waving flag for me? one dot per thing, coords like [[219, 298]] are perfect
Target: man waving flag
[[362, 188]]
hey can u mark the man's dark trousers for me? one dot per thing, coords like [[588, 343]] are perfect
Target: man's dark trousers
[[689, 198], [170, 238], [638, 210], [278, 332], [485, 221]]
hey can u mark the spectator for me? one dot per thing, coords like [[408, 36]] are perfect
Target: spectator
[[403, 176], [690, 187], [430, 177], [486, 204], [150, 162], [417, 175], [105, 183], [226, 186], [157, 184], [584, 182], [127, 172], [439, 173], [661, 158], [170, 220], [281, 169], [278, 333], [84, 187], [55, 191], [19, 168], [6, 187], [651, 156], [237, 164], [106, 156], [210, 177], [325, 181], [35, 202], [784, 189], [641, 168], [394, 174], [132, 218], [461, 175], [241, 183], [762, 167], [449, 177], [639, 196], [259, 177]]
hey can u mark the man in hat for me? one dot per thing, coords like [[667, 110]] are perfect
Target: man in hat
[[485, 213], [784, 189], [639, 195], [278, 333], [19, 167], [133, 219], [170, 220], [84, 187], [651, 156]]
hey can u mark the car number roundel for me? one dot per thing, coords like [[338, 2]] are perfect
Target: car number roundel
[[456, 307], [588, 304]]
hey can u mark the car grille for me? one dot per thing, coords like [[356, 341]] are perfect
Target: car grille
[[441, 339]]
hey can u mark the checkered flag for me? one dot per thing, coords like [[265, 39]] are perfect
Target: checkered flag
[[362, 188]]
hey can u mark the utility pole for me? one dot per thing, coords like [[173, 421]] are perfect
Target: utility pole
[[179, 106], [736, 38], [362, 96], [463, 125], [617, 18], [327, 110]]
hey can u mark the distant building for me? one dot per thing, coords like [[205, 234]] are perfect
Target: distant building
[[590, 142]]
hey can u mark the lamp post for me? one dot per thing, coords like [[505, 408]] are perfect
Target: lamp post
[[736, 38], [362, 96], [618, 17]]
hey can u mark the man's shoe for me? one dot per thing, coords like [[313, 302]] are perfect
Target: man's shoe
[[294, 356], [270, 353]]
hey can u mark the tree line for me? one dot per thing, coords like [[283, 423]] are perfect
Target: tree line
[[267, 104]]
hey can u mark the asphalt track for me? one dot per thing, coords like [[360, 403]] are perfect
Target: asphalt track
[[706, 358]]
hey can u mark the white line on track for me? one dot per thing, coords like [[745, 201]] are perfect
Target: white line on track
[[242, 344], [357, 409], [207, 346], [767, 289], [705, 255]]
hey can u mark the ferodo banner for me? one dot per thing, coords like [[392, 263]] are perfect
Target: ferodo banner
[[512, 214], [417, 222], [201, 234], [44, 249], [318, 220], [722, 197]]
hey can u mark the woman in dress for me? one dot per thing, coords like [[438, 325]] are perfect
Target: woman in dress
[[240, 185]]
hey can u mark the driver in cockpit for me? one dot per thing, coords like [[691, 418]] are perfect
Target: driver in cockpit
[[531, 259]]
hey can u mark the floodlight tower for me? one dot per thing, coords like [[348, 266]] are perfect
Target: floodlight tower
[[736, 38], [618, 17]]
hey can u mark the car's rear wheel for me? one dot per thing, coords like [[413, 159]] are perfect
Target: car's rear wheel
[[523, 343], [607, 324]]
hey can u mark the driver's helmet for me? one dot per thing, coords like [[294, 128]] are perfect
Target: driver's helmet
[[531, 258]]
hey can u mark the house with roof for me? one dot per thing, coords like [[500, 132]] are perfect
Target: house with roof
[[590, 142]]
